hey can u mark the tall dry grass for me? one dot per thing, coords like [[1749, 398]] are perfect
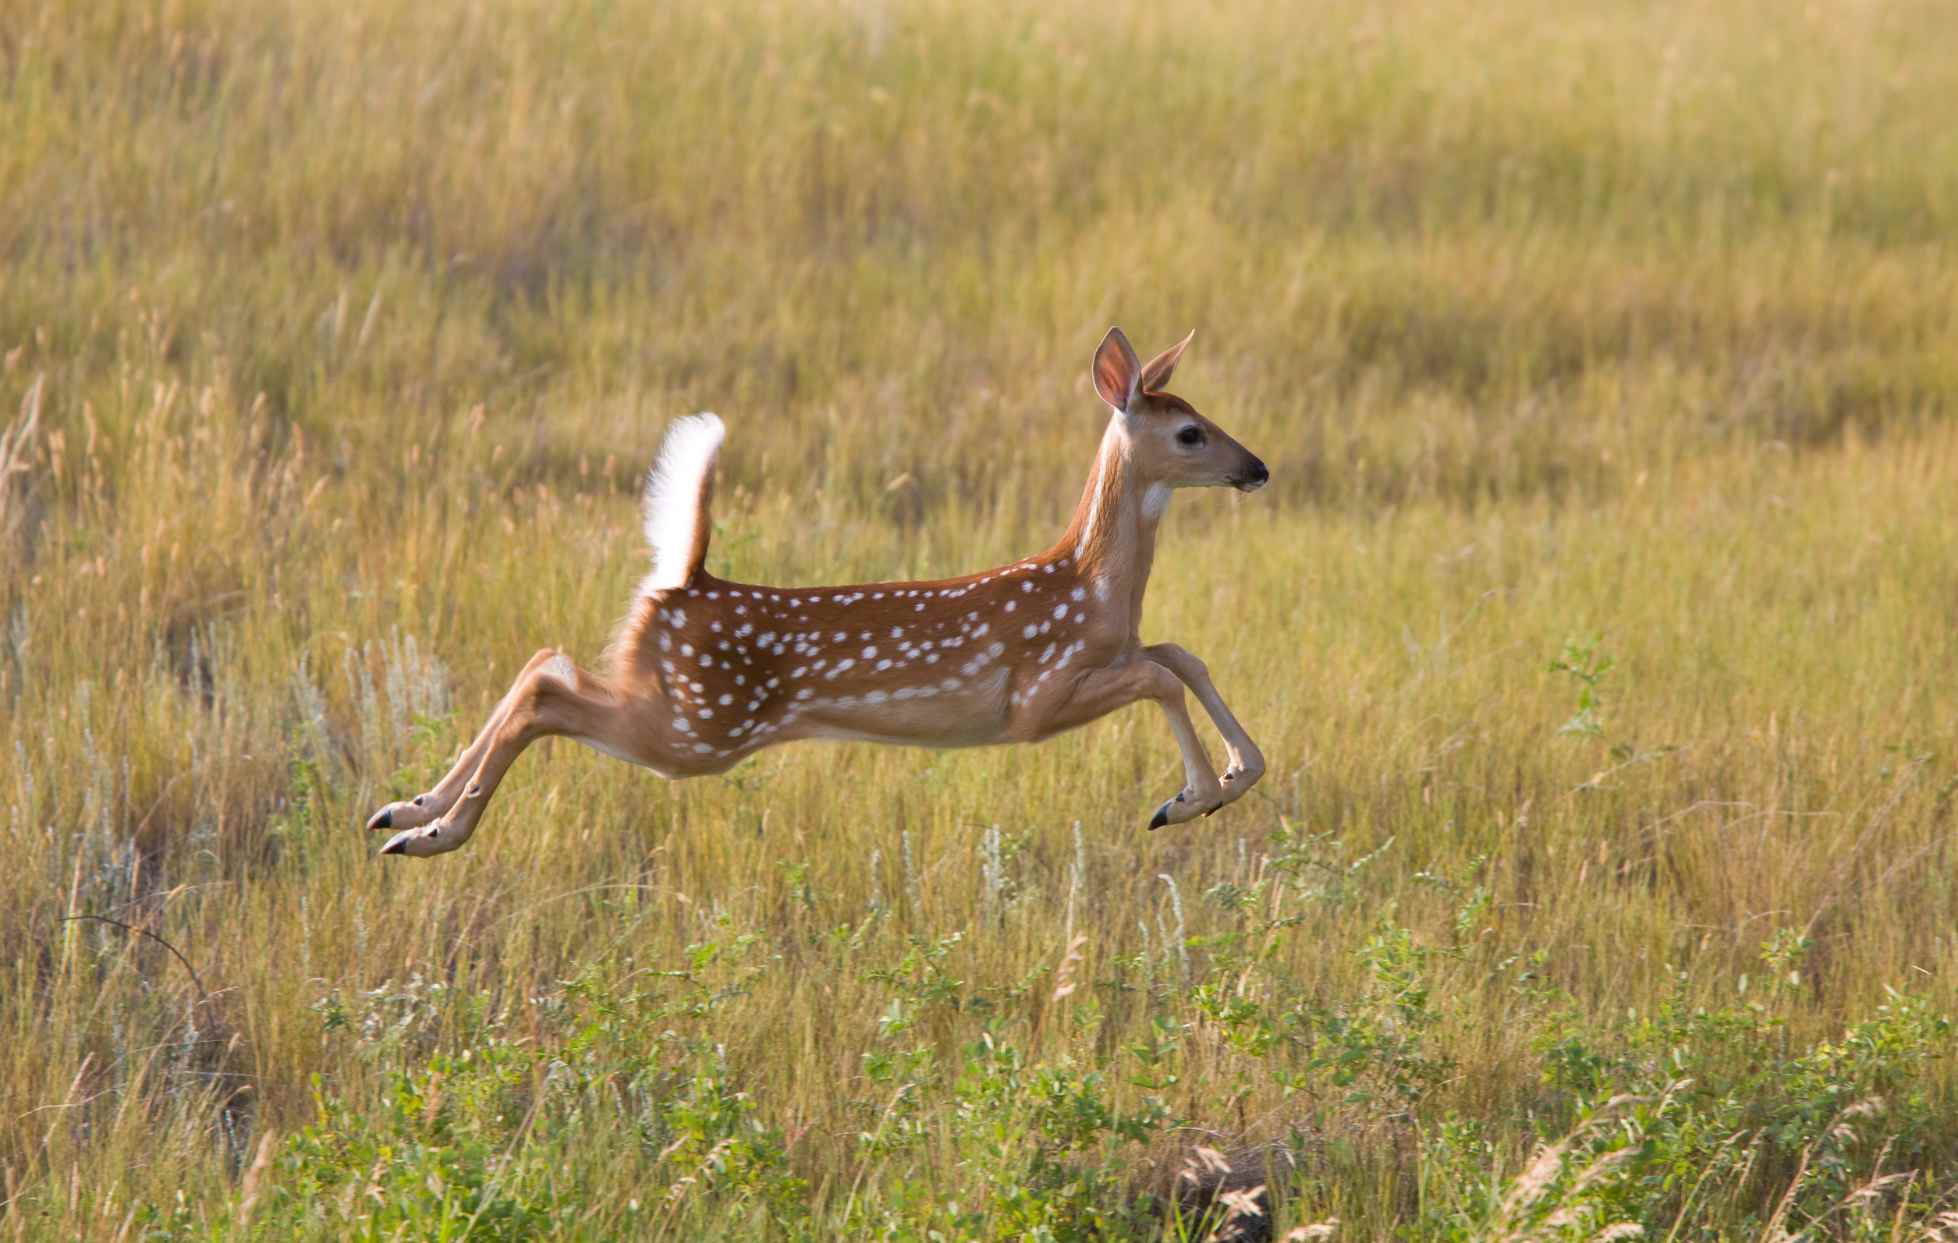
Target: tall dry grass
[[336, 339]]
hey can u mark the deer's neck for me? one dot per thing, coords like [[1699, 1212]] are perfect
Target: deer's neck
[[1112, 537]]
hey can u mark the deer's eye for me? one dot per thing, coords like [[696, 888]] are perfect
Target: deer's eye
[[1191, 435]]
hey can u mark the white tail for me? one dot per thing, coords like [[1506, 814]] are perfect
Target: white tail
[[705, 672], [678, 491]]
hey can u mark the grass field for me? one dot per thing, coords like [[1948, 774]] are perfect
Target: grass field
[[1598, 623]]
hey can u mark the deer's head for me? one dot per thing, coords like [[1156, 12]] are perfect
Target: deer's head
[[1169, 442]]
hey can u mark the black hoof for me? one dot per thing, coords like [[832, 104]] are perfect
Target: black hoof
[[394, 848], [383, 819], [1160, 819]]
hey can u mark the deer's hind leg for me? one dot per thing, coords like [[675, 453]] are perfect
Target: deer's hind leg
[[414, 812], [551, 697]]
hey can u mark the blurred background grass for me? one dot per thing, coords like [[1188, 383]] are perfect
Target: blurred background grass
[[344, 333]]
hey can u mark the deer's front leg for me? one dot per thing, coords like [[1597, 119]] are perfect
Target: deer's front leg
[[1247, 763], [1101, 691], [414, 812]]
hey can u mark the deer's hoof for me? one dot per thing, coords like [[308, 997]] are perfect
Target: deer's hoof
[[419, 843], [1165, 814], [435, 839], [409, 814], [1187, 805]]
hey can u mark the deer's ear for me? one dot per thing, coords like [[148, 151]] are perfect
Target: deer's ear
[[1118, 376], [1156, 374]]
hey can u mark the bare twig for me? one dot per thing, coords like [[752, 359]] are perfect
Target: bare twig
[[203, 994]]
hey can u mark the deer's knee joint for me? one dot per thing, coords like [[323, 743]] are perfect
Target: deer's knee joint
[[1179, 660]]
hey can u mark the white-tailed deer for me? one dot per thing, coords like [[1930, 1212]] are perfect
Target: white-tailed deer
[[704, 673]]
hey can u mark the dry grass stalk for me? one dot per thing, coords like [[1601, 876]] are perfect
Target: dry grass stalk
[[16, 445], [1064, 974], [248, 1192]]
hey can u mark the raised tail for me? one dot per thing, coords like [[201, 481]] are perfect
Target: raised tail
[[678, 490]]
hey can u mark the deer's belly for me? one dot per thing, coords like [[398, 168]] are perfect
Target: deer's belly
[[949, 711]]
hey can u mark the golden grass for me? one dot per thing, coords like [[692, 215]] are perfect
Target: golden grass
[[351, 329]]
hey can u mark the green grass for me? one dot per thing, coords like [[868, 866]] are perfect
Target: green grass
[[1597, 624]]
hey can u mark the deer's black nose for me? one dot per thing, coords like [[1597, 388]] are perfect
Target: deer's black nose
[[1254, 478]]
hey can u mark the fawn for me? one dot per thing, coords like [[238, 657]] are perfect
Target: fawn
[[704, 673]]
